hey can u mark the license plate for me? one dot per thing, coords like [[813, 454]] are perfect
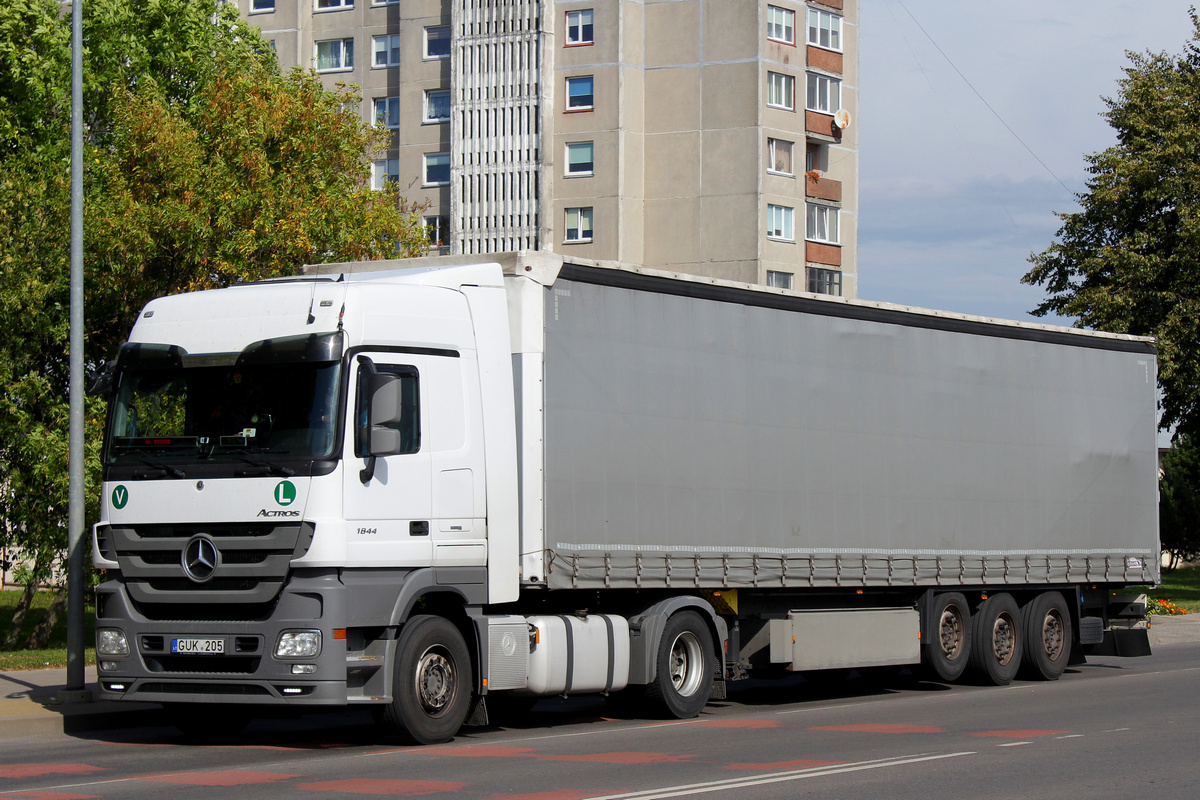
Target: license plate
[[198, 647]]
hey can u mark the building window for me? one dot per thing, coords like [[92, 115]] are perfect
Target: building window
[[335, 54], [580, 158], [824, 93], [779, 156], [261, 5], [437, 41], [438, 228], [825, 281], [437, 105], [327, 5], [384, 2], [387, 112], [579, 27], [824, 29], [779, 280], [781, 24], [781, 223], [816, 157], [387, 50], [822, 224], [579, 93], [579, 224], [781, 91], [385, 171], [437, 169]]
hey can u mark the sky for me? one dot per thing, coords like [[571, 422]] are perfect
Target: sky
[[951, 203]]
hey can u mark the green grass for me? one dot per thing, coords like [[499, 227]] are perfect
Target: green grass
[[53, 656], [1182, 587]]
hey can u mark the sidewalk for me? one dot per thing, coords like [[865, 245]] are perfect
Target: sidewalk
[[29, 707], [1174, 630]]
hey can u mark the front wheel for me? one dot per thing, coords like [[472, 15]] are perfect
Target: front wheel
[[997, 642], [685, 667], [431, 692], [1046, 624]]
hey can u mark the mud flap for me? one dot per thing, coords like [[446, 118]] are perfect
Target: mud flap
[[1127, 643]]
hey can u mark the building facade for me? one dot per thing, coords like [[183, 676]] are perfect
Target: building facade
[[713, 137]]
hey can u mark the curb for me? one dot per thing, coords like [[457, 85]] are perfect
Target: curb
[[23, 717]]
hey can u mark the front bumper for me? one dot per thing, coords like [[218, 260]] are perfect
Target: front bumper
[[248, 672]]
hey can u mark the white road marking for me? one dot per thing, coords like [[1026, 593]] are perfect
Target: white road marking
[[778, 777], [1013, 744], [1070, 736]]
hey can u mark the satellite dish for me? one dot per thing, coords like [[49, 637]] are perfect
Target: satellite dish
[[842, 118]]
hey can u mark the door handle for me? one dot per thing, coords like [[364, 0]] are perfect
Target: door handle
[[418, 528]]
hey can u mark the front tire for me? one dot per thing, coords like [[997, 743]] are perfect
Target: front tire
[[431, 691], [996, 641], [1046, 624], [685, 667], [947, 655]]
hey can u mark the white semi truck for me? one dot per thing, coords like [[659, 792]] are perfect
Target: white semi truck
[[436, 486]]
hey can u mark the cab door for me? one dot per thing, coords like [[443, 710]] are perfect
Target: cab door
[[388, 500]]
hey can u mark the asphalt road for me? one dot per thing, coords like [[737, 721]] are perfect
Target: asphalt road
[[1119, 728]]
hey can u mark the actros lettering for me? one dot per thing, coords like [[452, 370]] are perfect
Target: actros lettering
[[277, 513]]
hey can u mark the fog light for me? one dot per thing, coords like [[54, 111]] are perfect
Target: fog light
[[115, 687], [292, 690], [111, 642], [108, 666], [303, 669], [298, 644]]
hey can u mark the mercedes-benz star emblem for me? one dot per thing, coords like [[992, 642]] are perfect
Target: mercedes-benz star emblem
[[200, 558]]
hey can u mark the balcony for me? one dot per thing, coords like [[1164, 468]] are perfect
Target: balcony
[[817, 253], [826, 60], [822, 188]]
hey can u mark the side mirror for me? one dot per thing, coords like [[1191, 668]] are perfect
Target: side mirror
[[101, 381], [379, 418], [386, 408]]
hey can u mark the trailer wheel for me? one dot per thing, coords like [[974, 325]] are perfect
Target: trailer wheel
[[685, 667], [996, 640], [945, 657], [431, 691], [1046, 623]]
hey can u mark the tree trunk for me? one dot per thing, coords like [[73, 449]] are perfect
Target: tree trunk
[[40, 638], [23, 604]]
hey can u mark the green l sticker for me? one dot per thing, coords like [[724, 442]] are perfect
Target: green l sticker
[[285, 493], [120, 496]]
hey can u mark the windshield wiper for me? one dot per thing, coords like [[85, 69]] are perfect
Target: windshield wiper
[[149, 460], [278, 469]]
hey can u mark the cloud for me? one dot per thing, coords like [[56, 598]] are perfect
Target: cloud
[[957, 247]]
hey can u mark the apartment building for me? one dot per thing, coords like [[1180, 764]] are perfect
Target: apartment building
[[712, 137]]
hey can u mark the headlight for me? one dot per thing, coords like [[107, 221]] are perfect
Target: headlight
[[298, 644], [111, 642]]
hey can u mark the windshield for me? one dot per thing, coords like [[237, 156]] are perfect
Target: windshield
[[171, 413]]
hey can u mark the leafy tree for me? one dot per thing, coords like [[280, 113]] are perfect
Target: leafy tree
[[1179, 502], [205, 166], [1129, 260]]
